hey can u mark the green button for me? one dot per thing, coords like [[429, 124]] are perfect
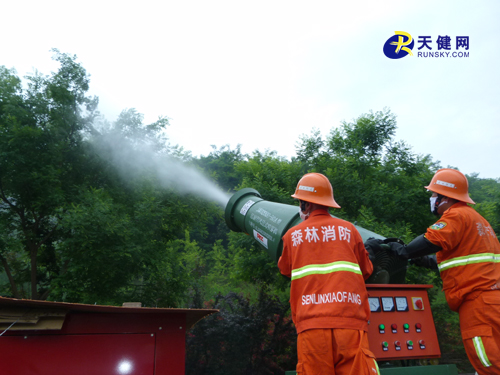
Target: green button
[[381, 327], [406, 326], [410, 343], [385, 344]]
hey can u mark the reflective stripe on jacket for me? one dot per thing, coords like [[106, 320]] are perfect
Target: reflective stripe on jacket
[[469, 259], [328, 263]]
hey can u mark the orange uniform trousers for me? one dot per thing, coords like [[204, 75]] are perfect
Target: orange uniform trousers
[[480, 327], [335, 352]]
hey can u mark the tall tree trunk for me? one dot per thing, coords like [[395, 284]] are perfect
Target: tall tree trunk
[[33, 255], [13, 285]]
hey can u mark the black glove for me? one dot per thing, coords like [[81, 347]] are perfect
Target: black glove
[[419, 247], [427, 261], [373, 245], [398, 249]]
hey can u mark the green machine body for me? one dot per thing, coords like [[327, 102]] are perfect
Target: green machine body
[[267, 222]]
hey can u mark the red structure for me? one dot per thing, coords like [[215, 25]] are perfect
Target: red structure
[[52, 338]]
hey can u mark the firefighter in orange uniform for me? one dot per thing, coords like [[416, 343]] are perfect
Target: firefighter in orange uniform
[[328, 265], [468, 258]]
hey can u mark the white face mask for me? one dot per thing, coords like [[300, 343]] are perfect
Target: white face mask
[[433, 203], [303, 216]]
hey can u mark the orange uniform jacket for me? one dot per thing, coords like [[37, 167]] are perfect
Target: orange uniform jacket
[[328, 264], [469, 261]]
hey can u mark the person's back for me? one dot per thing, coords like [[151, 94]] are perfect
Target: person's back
[[327, 263]]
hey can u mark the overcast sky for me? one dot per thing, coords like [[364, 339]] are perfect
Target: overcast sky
[[263, 73]]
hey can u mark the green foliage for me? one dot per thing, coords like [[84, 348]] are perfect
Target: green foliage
[[275, 178], [450, 339], [221, 166], [243, 338], [367, 220], [366, 138], [96, 254], [368, 169], [253, 265], [40, 157], [166, 277], [486, 194], [78, 224]]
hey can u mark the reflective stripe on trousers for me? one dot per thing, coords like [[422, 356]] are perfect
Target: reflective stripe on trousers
[[481, 353]]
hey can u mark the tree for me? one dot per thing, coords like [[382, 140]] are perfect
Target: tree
[[41, 130], [486, 194], [368, 168], [246, 337], [364, 139], [81, 219], [221, 165]]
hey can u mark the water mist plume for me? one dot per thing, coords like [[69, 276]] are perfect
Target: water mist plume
[[133, 160]]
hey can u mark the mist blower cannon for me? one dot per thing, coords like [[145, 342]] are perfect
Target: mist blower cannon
[[267, 222], [401, 325]]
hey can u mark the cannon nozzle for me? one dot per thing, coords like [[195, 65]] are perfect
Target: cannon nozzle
[[265, 221]]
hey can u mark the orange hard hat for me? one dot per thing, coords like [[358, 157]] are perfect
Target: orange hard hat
[[315, 188], [452, 184]]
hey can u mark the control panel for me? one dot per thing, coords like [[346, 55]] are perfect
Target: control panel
[[401, 325]]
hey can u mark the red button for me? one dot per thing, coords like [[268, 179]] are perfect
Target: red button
[[421, 342], [418, 326], [397, 343], [394, 326]]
